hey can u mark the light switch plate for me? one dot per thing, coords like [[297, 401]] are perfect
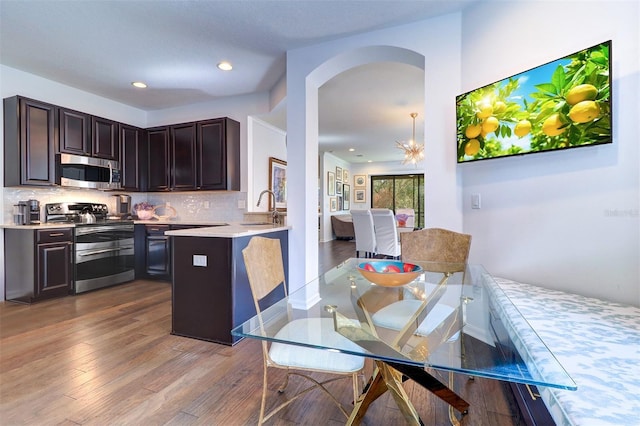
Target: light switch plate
[[199, 260], [475, 201]]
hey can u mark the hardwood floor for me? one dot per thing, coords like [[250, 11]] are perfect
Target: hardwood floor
[[107, 358]]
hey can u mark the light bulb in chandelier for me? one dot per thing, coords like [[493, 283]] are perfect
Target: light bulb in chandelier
[[413, 151]]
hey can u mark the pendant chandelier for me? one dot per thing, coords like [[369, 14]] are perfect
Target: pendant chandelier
[[413, 151]]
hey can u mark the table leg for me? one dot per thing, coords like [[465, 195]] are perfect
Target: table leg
[[388, 376]]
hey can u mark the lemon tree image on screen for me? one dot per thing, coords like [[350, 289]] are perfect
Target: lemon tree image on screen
[[563, 104]]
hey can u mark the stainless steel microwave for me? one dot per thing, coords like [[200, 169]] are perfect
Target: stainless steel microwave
[[87, 172]]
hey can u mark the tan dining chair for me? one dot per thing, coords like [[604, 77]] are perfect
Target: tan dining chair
[[436, 245], [429, 245], [265, 270]]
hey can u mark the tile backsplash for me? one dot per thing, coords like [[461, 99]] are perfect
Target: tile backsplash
[[196, 206]]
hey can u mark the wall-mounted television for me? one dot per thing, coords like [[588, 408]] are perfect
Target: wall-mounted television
[[565, 103]]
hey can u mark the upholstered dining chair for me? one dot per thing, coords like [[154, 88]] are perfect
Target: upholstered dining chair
[[429, 245], [386, 231], [265, 270], [364, 231]]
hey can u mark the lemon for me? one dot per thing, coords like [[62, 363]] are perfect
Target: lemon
[[523, 127], [552, 126], [584, 111], [472, 147], [582, 92], [490, 125], [499, 107], [484, 111], [473, 131]]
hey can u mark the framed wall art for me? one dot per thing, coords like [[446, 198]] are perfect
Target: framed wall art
[[331, 183], [278, 183], [359, 181], [338, 187], [359, 196], [338, 174], [339, 202], [346, 197], [345, 175], [333, 204]]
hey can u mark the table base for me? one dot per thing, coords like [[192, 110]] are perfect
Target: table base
[[389, 376]]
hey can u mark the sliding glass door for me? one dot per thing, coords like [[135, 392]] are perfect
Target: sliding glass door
[[399, 192]]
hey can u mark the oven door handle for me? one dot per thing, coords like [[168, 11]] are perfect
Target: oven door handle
[[91, 253]]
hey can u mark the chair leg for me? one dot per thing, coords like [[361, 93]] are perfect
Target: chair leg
[[264, 395]]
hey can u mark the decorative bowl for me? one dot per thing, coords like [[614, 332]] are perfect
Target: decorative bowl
[[385, 272], [145, 214]]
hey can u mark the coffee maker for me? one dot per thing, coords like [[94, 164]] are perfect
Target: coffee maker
[[123, 206], [27, 212]]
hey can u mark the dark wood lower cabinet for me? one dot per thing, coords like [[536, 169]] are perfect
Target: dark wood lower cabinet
[[38, 264], [211, 293]]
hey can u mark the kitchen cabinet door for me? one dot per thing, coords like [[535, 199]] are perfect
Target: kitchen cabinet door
[[219, 154], [132, 158], [105, 138], [158, 252], [54, 270], [29, 142], [158, 159], [75, 132], [183, 157]]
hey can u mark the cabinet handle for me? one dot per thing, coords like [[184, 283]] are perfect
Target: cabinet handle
[[534, 396], [56, 234]]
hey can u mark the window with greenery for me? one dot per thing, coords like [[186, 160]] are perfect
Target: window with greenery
[[399, 192]]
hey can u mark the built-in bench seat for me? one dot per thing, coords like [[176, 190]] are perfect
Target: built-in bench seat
[[597, 342]]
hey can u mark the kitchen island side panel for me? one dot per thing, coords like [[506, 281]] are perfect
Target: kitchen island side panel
[[212, 296]]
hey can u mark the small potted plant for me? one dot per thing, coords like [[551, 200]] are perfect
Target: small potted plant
[[144, 210]]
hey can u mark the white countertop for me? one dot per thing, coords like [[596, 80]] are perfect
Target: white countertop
[[205, 228], [231, 230]]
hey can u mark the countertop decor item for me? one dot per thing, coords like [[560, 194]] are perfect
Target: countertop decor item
[[144, 210], [389, 273]]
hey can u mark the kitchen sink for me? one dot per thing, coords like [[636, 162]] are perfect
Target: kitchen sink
[[255, 223]]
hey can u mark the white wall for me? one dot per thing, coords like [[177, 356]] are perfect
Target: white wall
[[436, 43], [570, 219], [266, 141]]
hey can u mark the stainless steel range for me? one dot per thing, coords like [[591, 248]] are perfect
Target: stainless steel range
[[104, 247]]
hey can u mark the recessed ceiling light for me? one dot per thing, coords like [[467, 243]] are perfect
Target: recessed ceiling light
[[139, 84], [351, 149], [225, 66]]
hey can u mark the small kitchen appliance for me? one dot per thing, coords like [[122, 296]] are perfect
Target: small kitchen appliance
[[123, 206], [26, 212]]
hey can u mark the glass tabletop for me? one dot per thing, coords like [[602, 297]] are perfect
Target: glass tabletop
[[433, 321]]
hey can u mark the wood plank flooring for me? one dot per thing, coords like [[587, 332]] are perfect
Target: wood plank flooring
[[107, 358]]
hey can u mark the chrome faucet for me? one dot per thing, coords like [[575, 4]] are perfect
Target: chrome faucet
[[274, 211]]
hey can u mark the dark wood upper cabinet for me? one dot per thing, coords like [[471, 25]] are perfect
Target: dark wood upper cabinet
[[105, 138], [75, 132], [158, 159], [30, 137], [183, 156], [133, 163], [219, 154]]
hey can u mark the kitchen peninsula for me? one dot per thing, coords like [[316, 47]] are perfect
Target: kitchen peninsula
[[210, 288]]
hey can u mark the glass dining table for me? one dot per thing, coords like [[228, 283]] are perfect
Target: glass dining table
[[423, 331]]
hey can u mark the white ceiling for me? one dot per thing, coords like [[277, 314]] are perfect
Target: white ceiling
[[174, 46]]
